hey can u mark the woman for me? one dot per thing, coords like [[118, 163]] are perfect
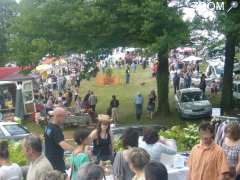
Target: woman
[[151, 144], [155, 171], [121, 169], [151, 103], [231, 146], [80, 155], [8, 170], [50, 104], [78, 104], [102, 139], [138, 158], [203, 84]]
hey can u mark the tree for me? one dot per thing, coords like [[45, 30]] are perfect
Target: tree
[[61, 26], [229, 24], [8, 10], [148, 24]]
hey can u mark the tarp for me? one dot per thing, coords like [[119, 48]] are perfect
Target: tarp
[[191, 59], [43, 67], [49, 60], [12, 74]]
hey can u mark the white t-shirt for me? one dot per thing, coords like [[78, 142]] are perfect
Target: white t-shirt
[[155, 150], [12, 172]]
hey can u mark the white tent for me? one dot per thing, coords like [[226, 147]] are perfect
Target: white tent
[[192, 59]]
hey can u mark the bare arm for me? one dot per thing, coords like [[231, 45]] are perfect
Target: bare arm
[[238, 165], [66, 146]]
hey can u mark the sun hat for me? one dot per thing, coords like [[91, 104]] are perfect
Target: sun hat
[[104, 118]]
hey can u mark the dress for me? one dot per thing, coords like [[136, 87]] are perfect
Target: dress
[[102, 148], [232, 153], [151, 103]]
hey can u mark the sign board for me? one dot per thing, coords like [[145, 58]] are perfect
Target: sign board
[[216, 112]]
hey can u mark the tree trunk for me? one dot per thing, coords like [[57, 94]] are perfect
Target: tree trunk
[[162, 77], [226, 99]]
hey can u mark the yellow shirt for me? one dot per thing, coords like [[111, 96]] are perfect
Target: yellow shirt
[[207, 163]]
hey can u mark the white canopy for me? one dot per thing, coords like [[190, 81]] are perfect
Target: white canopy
[[191, 59]]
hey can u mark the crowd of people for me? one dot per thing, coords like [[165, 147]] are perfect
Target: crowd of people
[[140, 158]]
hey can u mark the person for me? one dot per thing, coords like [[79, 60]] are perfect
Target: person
[[133, 66], [155, 171], [78, 104], [150, 142], [86, 99], [80, 155], [151, 103], [39, 164], [138, 159], [92, 101], [49, 105], [213, 88], [121, 170], [54, 140], [207, 160], [76, 91], [91, 171], [102, 139], [202, 84], [8, 171], [114, 104], [53, 175], [176, 82], [69, 97], [231, 147], [138, 101], [127, 74]]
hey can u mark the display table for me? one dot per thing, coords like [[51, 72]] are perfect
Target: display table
[[178, 174], [173, 174]]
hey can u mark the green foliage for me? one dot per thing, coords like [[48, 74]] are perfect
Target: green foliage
[[118, 145], [186, 138], [16, 154], [8, 10]]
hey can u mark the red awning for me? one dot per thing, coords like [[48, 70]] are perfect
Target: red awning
[[6, 71]]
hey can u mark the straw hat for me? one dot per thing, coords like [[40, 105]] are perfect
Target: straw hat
[[104, 118]]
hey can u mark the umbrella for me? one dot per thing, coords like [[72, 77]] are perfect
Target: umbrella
[[19, 106], [43, 67]]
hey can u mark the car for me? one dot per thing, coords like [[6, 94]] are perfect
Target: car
[[12, 131], [236, 90], [118, 131], [190, 103]]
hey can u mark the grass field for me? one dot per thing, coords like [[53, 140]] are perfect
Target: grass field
[[125, 94]]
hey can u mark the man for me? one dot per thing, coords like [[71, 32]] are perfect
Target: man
[[92, 101], [127, 75], [176, 82], [207, 160], [39, 164], [54, 140], [138, 105], [114, 106]]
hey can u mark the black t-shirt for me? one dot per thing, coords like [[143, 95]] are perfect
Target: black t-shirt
[[53, 136], [114, 103]]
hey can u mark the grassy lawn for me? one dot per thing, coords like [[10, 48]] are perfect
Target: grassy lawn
[[125, 94]]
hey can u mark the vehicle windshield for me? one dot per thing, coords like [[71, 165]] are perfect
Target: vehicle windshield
[[15, 129], [219, 70], [192, 96]]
